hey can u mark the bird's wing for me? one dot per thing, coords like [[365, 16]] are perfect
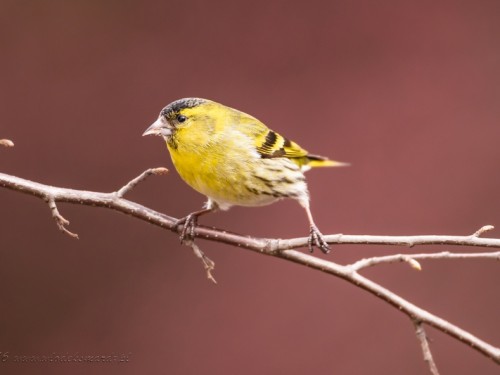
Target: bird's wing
[[270, 144], [267, 142]]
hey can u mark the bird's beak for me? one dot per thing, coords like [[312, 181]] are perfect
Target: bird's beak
[[159, 127]]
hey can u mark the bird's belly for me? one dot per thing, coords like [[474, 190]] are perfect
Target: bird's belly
[[240, 180]]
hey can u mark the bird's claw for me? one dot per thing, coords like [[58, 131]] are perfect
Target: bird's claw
[[316, 239], [189, 224]]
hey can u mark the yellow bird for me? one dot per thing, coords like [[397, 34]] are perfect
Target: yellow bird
[[235, 160]]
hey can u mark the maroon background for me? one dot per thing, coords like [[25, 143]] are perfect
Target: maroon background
[[408, 92]]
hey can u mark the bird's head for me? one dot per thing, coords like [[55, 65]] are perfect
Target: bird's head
[[176, 115]]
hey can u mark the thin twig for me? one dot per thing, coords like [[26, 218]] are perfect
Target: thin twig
[[424, 343], [208, 263], [60, 220], [412, 258], [482, 230], [133, 183], [281, 249]]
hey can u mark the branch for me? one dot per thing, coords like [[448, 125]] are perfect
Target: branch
[[281, 248], [408, 241]]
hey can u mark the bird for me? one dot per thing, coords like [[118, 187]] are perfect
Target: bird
[[235, 160]]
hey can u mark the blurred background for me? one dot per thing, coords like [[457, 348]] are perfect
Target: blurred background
[[408, 92]]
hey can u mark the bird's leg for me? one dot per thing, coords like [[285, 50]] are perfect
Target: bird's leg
[[190, 222], [315, 236], [316, 239]]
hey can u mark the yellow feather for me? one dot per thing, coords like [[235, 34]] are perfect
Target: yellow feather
[[234, 159]]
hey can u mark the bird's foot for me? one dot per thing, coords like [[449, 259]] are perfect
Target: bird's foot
[[317, 239], [189, 224]]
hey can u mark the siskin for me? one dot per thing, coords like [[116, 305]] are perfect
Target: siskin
[[234, 159]]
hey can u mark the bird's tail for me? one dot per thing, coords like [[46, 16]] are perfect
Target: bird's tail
[[313, 161]]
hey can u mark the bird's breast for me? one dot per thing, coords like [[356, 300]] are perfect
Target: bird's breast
[[234, 174]]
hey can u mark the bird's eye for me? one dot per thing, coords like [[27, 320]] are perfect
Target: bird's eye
[[181, 118]]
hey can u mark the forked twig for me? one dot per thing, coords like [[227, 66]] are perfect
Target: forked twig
[[60, 220], [208, 263]]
